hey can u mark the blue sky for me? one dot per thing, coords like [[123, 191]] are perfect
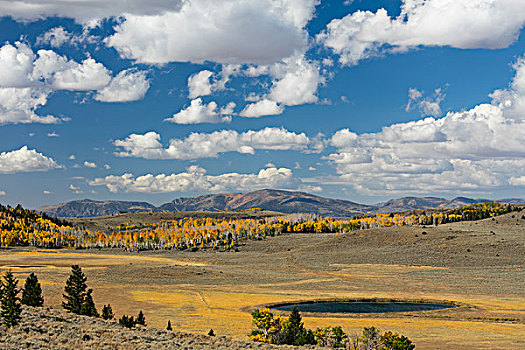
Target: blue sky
[[360, 100]]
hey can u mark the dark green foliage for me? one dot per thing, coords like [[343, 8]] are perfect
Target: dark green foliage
[[107, 312], [88, 306], [10, 308], [169, 326], [32, 292], [75, 290], [294, 331], [126, 321], [141, 319], [211, 333]]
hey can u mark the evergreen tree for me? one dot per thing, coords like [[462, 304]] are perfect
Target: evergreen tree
[[32, 292], [169, 326], [127, 321], [10, 307], [75, 290], [211, 333], [107, 312], [141, 319], [88, 306], [294, 329]]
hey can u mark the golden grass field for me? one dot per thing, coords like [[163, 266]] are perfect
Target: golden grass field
[[479, 264]]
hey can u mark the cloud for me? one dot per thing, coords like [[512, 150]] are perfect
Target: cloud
[[199, 84], [202, 145], [28, 79], [58, 36], [52, 134], [195, 179], [46, 192], [19, 105], [83, 11], [464, 24], [220, 31], [426, 105], [261, 108], [25, 160], [90, 164], [2, 193], [476, 150], [296, 82], [512, 99], [55, 37], [197, 112], [128, 85]]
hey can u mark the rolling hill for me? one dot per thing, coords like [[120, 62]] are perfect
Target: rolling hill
[[272, 200], [88, 207]]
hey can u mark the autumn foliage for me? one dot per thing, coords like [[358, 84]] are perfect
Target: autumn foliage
[[27, 228]]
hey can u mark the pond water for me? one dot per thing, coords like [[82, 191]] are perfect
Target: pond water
[[362, 307]]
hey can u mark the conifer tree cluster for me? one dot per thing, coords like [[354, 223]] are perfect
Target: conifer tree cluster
[[130, 322]]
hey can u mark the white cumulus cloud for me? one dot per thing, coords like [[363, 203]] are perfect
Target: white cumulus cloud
[[196, 179], [465, 24], [128, 85], [199, 112], [203, 145], [225, 31], [199, 84], [28, 79], [25, 160], [261, 108], [480, 149]]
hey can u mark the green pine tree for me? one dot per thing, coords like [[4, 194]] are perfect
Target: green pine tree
[[75, 290], [32, 292], [294, 330], [211, 333], [107, 312], [10, 307], [88, 306], [141, 319], [169, 326], [127, 321]]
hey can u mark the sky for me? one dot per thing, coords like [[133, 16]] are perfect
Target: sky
[[360, 100]]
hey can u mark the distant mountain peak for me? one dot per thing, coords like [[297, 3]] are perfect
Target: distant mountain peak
[[283, 201]]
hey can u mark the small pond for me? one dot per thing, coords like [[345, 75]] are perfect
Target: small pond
[[362, 307]]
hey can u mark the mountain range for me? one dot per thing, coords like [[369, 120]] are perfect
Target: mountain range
[[274, 200]]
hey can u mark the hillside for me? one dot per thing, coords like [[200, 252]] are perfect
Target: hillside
[[418, 203], [45, 328], [273, 200], [270, 200], [87, 207]]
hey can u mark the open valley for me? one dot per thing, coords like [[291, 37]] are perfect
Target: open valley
[[477, 264]]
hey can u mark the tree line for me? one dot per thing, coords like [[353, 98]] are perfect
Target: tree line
[[19, 227], [276, 329]]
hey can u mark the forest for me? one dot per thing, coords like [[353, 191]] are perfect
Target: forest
[[22, 227]]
